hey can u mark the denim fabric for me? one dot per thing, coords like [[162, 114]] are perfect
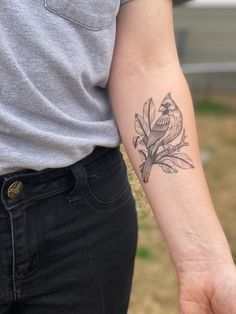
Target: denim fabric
[[68, 238]]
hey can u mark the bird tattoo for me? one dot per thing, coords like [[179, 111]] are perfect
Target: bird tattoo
[[168, 126], [155, 138]]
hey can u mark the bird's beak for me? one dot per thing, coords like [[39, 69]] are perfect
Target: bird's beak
[[162, 108]]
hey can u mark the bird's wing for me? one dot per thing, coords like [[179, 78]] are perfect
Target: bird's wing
[[159, 130], [161, 126]]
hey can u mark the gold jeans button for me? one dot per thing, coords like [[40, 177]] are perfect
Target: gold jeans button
[[15, 189]]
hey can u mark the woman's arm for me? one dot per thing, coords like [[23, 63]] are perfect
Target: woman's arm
[[155, 117]]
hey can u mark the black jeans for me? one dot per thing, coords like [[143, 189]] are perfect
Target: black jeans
[[68, 238]]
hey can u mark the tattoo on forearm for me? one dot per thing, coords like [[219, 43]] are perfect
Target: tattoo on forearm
[[154, 139]]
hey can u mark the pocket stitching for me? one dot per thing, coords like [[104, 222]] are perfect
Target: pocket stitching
[[110, 202], [79, 22]]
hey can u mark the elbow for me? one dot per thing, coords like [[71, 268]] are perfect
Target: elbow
[[146, 66], [152, 64]]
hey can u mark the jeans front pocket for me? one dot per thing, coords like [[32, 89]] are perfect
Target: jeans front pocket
[[91, 14], [111, 188]]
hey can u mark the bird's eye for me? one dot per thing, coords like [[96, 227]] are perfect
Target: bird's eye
[[167, 104]]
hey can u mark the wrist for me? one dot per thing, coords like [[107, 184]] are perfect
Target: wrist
[[200, 253], [211, 261], [208, 278], [201, 249]]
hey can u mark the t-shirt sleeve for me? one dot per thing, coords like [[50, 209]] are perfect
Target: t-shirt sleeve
[[123, 1], [175, 2]]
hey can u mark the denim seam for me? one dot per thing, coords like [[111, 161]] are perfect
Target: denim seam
[[13, 257], [104, 203], [80, 175], [42, 196], [100, 208]]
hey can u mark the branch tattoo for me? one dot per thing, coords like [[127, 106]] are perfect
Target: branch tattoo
[[153, 140]]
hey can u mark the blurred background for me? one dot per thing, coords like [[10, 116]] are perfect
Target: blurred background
[[206, 40]]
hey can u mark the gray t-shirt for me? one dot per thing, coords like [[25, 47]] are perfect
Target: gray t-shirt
[[55, 58]]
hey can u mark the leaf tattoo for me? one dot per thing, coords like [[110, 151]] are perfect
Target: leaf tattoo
[[167, 165], [141, 126], [149, 112], [156, 138], [137, 140], [182, 160]]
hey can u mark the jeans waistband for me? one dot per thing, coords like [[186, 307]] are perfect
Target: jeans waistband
[[26, 185]]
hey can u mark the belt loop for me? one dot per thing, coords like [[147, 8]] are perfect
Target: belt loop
[[81, 179]]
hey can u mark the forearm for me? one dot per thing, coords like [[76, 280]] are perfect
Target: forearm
[[180, 199]]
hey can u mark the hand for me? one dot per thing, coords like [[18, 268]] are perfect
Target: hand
[[208, 292]]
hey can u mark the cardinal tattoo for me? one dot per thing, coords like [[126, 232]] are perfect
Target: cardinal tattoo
[[160, 142]]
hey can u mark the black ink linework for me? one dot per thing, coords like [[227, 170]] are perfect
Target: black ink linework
[[153, 140]]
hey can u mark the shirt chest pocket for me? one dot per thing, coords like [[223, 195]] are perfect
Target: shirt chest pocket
[[91, 14]]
